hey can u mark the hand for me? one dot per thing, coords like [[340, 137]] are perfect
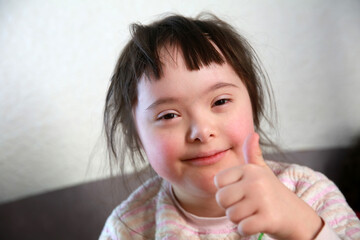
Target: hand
[[257, 201]]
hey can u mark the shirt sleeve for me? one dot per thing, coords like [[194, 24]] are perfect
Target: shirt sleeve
[[329, 203], [325, 198]]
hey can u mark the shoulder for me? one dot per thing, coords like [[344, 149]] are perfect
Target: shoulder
[[310, 185], [295, 172], [138, 208], [143, 195]]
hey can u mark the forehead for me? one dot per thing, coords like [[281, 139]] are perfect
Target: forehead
[[177, 80], [171, 56], [173, 63]]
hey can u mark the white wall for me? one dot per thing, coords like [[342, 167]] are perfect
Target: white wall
[[56, 58]]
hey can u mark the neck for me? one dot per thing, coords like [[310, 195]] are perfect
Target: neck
[[203, 206]]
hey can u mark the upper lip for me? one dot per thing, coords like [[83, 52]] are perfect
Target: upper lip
[[203, 154]]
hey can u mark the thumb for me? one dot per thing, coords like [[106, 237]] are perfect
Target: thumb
[[252, 151]]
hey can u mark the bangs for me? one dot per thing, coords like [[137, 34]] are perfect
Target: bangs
[[180, 34], [201, 41]]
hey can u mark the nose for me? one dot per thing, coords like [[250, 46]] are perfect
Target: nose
[[201, 130]]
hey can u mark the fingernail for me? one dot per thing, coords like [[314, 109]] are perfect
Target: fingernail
[[215, 182], [245, 148], [239, 228]]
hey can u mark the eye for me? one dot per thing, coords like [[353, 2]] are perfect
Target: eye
[[221, 102], [167, 116]]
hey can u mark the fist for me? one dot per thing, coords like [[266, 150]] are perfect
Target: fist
[[257, 201]]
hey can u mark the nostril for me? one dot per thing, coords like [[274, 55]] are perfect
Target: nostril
[[201, 130], [202, 137]]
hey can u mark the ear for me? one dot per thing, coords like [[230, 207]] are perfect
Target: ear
[[252, 151]]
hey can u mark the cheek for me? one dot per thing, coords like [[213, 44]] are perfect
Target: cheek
[[237, 134], [162, 152], [160, 149], [239, 127], [163, 149]]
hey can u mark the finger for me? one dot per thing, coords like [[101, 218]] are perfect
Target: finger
[[252, 150], [229, 195], [241, 210], [228, 176], [251, 225]]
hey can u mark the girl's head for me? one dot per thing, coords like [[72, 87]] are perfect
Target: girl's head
[[178, 84]]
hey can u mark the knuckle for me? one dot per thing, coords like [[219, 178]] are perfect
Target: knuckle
[[261, 185], [251, 168]]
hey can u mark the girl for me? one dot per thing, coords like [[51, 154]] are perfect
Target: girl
[[188, 93]]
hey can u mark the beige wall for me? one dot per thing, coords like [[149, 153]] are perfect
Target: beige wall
[[56, 58]]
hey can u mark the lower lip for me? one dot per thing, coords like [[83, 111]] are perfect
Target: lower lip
[[210, 160]]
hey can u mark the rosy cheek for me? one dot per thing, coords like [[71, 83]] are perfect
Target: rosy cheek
[[238, 129], [162, 152], [168, 149], [241, 131]]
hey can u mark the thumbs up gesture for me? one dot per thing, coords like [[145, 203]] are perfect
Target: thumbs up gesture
[[257, 201]]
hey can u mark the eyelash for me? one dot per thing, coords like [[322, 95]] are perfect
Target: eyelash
[[221, 101], [170, 116], [166, 116]]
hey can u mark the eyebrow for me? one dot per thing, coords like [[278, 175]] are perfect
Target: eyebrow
[[220, 85], [162, 101], [173, 99]]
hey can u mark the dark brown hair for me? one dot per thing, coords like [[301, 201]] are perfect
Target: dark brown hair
[[195, 38]]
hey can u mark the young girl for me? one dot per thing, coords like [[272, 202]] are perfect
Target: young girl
[[188, 93]]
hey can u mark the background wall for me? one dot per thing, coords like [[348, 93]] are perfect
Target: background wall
[[56, 58]]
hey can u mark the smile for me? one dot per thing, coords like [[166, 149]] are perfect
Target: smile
[[207, 158]]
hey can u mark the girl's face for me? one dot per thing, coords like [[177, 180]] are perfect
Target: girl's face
[[192, 124]]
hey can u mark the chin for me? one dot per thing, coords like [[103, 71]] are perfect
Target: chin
[[206, 190]]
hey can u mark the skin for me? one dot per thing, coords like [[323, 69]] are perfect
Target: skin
[[208, 113], [258, 202], [196, 128]]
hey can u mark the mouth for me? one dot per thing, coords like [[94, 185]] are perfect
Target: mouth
[[209, 158]]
